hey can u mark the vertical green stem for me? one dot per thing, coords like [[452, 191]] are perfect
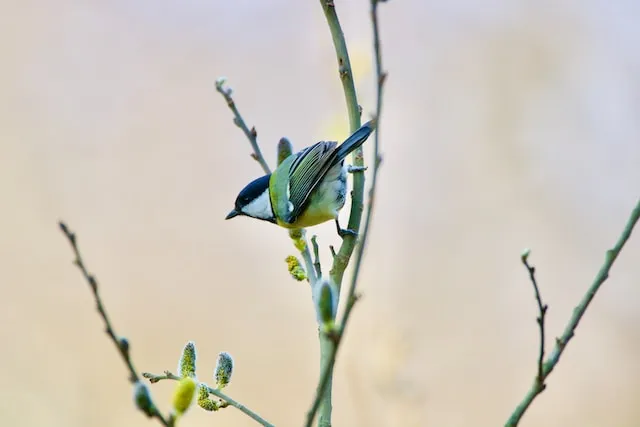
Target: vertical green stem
[[341, 259], [326, 349]]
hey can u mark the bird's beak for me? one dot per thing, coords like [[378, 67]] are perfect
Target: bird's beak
[[232, 214]]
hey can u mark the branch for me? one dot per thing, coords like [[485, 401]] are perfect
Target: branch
[[309, 265], [381, 77], [328, 361], [542, 309], [252, 135], [578, 312], [299, 238], [341, 260], [216, 392], [336, 337], [316, 255], [122, 344]]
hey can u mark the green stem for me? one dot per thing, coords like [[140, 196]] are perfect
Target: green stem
[[308, 262], [381, 77], [341, 259], [214, 391], [326, 350], [329, 344], [578, 312]]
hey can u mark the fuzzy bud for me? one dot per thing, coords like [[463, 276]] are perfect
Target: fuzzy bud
[[187, 363], [142, 399], [224, 369], [326, 299], [295, 269], [204, 401], [297, 235], [285, 148], [183, 395]]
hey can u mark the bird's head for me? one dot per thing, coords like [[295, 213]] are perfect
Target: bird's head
[[254, 201]]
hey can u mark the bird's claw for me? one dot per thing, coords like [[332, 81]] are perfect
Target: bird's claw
[[354, 169], [344, 232]]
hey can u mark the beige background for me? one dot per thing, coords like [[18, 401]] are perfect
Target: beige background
[[506, 125]]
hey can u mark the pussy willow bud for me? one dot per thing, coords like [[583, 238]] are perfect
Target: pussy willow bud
[[295, 269], [183, 395], [187, 363], [204, 401], [142, 398], [297, 235], [285, 148], [326, 299], [224, 369]]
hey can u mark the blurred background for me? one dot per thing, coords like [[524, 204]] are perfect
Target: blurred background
[[507, 124]]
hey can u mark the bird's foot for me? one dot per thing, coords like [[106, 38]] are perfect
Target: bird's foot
[[354, 169], [344, 232]]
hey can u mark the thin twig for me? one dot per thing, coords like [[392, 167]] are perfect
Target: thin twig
[[121, 343], [569, 330], [542, 309], [251, 134], [214, 391], [299, 238], [308, 262], [316, 255], [352, 297]]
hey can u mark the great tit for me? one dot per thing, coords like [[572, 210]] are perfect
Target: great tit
[[306, 189]]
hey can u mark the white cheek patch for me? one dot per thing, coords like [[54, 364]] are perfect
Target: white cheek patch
[[260, 207]]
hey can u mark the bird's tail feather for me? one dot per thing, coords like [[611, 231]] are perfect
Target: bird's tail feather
[[354, 141]]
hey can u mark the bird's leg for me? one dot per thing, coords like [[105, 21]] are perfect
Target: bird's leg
[[342, 232], [354, 169]]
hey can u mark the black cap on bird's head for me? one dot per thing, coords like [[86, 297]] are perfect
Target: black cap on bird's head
[[254, 201]]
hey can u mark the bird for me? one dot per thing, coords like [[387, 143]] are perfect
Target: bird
[[306, 189]]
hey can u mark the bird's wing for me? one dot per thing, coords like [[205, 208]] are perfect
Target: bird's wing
[[306, 172]]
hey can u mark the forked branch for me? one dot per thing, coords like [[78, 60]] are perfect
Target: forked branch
[[561, 342], [251, 134], [121, 343]]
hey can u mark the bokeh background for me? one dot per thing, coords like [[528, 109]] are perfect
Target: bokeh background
[[507, 124]]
